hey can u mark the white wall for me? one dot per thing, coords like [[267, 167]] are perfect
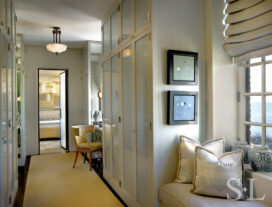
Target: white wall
[[38, 57], [224, 81], [192, 26], [178, 25]]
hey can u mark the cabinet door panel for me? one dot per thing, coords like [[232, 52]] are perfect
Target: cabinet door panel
[[107, 115], [106, 37], [13, 27], [115, 29], [141, 13], [128, 120], [142, 120], [8, 2], [3, 12], [4, 135], [115, 116], [126, 19], [10, 132]]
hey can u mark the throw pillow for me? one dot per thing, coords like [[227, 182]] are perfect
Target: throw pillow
[[185, 173], [219, 176]]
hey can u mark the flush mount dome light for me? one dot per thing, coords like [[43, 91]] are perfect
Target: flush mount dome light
[[56, 47]]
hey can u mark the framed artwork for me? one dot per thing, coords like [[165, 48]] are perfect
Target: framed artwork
[[182, 67], [182, 107]]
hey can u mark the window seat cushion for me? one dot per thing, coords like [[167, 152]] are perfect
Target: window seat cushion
[[179, 195]]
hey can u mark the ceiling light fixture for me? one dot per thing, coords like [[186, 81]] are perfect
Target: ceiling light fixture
[[56, 47]]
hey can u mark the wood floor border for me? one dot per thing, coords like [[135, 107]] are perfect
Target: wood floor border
[[100, 174], [22, 177]]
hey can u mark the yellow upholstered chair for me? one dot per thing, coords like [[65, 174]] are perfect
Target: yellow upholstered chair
[[83, 146]]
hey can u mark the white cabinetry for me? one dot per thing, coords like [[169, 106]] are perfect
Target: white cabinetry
[[127, 96], [8, 143]]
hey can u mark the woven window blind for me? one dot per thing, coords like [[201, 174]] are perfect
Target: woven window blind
[[248, 26]]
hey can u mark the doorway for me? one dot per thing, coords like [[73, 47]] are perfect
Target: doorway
[[53, 111]]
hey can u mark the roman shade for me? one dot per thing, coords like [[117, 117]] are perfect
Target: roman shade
[[248, 26]]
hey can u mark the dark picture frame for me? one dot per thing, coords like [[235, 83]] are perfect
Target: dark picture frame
[[182, 108], [182, 67]]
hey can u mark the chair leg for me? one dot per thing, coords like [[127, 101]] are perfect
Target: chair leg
[[90, 160], [75, 159], [85, 157]]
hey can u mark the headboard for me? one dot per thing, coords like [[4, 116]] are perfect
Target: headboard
[[49, 114]]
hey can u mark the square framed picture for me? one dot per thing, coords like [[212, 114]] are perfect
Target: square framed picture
[[182, 107], [182, 67]]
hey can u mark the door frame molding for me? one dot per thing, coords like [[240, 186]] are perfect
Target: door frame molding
[[66, 71]]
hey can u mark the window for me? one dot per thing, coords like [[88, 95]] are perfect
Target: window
[[258, 101]]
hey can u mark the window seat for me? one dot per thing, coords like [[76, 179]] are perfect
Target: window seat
[[179, 195], [262, 184]]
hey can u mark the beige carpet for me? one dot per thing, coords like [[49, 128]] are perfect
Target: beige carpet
[[52, 182]]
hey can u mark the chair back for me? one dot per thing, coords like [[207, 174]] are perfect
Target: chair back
[[80, 139], [80, 133]]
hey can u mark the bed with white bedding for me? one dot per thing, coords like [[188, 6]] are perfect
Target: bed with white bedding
[[49, 123]]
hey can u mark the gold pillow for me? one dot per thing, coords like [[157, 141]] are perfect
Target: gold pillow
[[218, 176], [185, 173], [81, 139]]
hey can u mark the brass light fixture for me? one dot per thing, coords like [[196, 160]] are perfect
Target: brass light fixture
[[56, 47], [99, 94]]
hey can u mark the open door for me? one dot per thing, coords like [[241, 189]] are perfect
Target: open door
[[53, 111], [63, 134]]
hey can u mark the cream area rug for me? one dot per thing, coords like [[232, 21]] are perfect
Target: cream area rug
[[52, 182], [52, 146]]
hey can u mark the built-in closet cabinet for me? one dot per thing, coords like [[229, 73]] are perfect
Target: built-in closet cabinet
[[8, 108], [127, 112]]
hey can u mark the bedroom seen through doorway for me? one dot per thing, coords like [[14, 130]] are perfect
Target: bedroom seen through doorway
[[53, 116]]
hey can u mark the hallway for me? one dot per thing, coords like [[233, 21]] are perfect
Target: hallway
[[53, 182]]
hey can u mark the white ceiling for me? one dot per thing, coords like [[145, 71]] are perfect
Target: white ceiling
[[80, 20]]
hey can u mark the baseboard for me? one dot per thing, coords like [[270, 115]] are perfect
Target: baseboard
[[14, 193], [23, 172]]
